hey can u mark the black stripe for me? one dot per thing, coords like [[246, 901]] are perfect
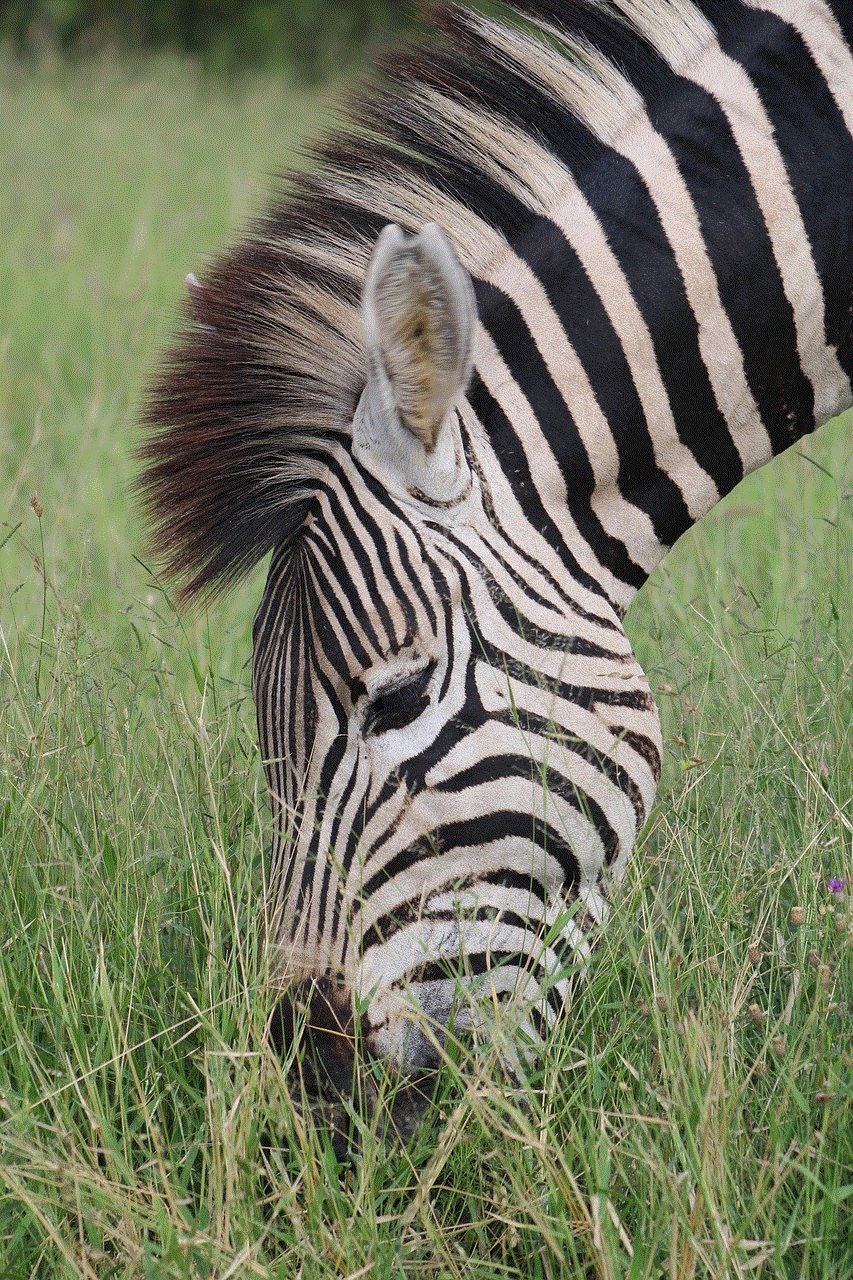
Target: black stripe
[[531, 633], [318, 574], [844, 17], [741, 252], [414, 910], [528, 722], [333, 855], [513, 339], [472, 833], [588, 697], [497, 543], [476, 963], [466, 558], [583, 315], [623, 204], [817, 151], [619, 197], [517, 880], [496, 769], [443, 591], [348, 539], [501, 533], [414, 580], [337, 747]]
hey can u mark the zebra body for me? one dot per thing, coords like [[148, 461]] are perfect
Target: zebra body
[[467, 448]]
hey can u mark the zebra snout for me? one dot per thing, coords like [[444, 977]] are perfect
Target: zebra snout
[[332, 1072]]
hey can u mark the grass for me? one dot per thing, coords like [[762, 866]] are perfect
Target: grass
[[696, 1116]]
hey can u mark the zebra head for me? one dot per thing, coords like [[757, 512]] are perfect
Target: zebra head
[[466, 450], [459, 742]]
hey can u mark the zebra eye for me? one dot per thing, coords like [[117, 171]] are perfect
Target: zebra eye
[[399, 704]]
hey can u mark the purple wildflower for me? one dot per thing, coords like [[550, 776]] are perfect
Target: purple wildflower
[[835, 885]]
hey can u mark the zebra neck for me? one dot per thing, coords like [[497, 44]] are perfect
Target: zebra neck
[[683, 312]]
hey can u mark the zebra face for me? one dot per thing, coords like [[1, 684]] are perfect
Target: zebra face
[[452, 770]]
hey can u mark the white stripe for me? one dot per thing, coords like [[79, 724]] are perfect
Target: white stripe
[[553, 615], [730, 86], [619, 518], [512, 522], [547, 478], [718, 345], [646, 149], [431, 875], [556, 193], [335, 947], [549, 664], [584, 231]]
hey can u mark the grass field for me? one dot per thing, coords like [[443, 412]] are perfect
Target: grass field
[[695, 1119]]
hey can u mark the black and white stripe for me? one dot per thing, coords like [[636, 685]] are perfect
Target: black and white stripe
[[651, 211]]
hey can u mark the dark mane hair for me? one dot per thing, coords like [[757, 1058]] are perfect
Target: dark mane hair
[[473, 128]]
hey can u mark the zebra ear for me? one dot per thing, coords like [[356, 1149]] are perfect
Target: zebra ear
[[419, 314]]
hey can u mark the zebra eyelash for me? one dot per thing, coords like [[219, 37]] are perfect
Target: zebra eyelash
[[397, 704]]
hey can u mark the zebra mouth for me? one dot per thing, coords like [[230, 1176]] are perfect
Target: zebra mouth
[[333, 1076]]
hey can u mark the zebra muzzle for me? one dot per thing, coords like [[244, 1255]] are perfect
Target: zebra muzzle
[[333, 1075]]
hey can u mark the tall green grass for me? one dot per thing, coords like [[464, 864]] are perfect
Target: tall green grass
[[694, 1118]]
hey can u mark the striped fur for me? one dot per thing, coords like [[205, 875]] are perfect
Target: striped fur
[[654, 202]]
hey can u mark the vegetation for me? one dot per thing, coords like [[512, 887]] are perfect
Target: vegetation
[[310, 36], [695, 1116]]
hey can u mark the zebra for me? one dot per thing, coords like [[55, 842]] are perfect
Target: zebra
[[557, 283]]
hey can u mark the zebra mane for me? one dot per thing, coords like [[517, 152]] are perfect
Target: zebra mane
[[480, 127]]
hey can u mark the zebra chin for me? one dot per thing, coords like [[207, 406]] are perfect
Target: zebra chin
[[334, 1074]]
